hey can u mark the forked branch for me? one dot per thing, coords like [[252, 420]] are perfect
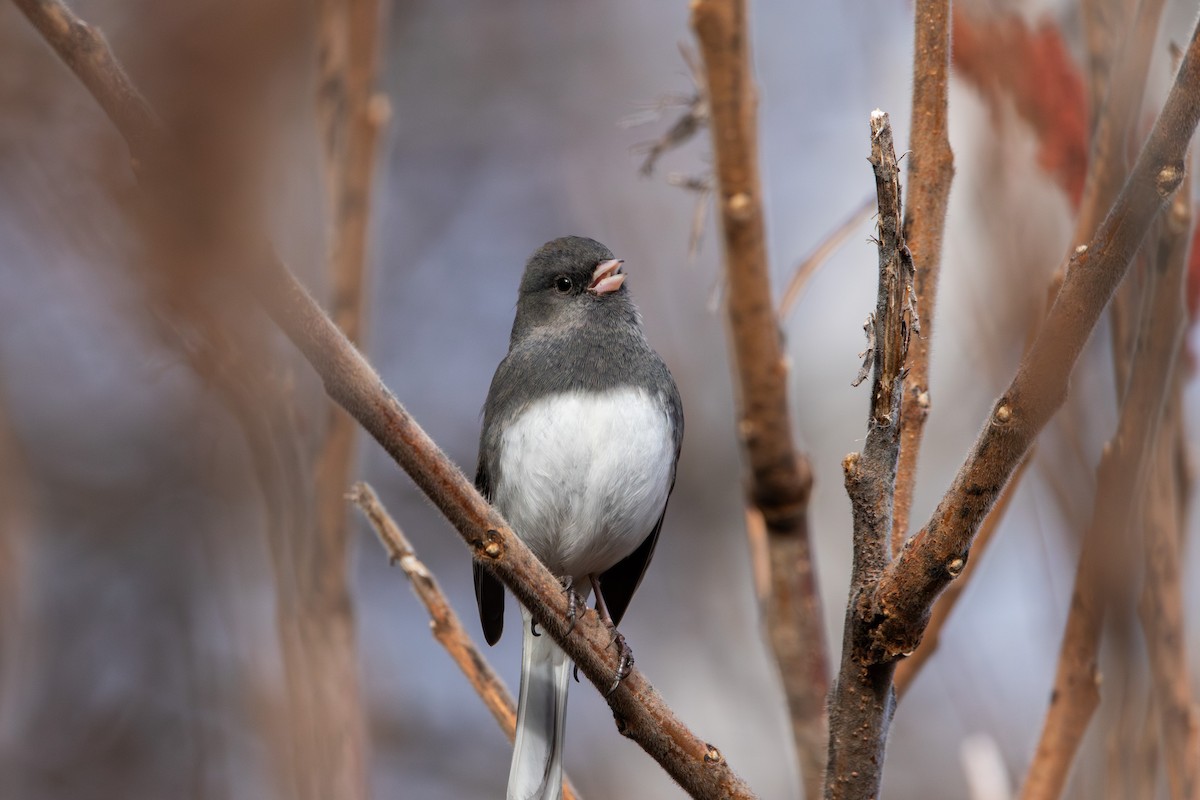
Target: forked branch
[[863, 700], [885, 620], [900, 607]]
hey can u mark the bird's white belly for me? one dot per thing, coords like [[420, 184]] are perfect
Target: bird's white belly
[[585, 476]]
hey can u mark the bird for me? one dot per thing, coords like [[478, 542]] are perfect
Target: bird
[[582, 429]]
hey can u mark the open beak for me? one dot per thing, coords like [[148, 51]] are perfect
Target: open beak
[[607, 277]]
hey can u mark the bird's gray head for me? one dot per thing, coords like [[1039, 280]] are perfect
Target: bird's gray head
[[571, 281]]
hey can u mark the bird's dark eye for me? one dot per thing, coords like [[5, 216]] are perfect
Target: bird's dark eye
[[563, 284]]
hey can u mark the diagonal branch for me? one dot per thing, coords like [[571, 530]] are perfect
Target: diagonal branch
[[863, 701], [908, 669], [812, 262], [780, 478], [445, 625], [640, 712], [930, 171]]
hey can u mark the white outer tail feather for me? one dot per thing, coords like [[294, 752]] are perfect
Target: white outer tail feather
[[537, 769]]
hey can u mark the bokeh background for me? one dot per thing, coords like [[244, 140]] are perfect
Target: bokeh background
[[140, 656]]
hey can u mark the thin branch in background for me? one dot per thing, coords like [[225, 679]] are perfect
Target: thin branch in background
[[702, 186], [908, 669], [694, 118], [1149, 745], [1162, 515], [1108, 546], [640, 712], [780, 479], [812, 262], [444, 623], [1162, 613], [930, 172], [16, 521], [1103, 26]]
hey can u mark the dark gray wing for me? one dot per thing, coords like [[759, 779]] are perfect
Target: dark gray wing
[[619, 582], [489, 592]]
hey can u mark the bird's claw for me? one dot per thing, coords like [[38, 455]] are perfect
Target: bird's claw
[[624, 660], [574, 602]]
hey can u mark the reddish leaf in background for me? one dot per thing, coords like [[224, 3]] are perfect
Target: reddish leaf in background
[[1002, 57]]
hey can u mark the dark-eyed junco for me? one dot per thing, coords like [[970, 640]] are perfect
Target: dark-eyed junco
[[581, 433]]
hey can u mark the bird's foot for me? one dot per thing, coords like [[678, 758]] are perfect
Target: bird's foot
[[576, 605], [624, 660]]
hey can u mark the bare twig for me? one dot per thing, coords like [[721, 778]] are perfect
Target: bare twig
[[1161, 610], [780, 476], [443, 622], [15, 526], [863, 701], [1120, 478], [930, 171], [689, 123], [907, 670], [1164, 508], [1108, 157], [809, 265], [702, 187], [640, 712], [1103, 25]]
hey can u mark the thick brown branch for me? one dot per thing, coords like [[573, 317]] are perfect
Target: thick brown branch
[[640, 712], [780, 476], [444, 623], [862, 703], [930, 560], [930, 171], [1108, 545], [908, 669]]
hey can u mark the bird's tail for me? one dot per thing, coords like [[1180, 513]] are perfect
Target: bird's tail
[[537, 771]]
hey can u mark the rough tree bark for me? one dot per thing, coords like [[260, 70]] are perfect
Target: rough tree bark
[[863, 701]]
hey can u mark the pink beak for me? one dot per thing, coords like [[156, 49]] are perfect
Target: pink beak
[[607, 277]]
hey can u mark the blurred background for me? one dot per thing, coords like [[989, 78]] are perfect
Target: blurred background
[[141, 558]]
